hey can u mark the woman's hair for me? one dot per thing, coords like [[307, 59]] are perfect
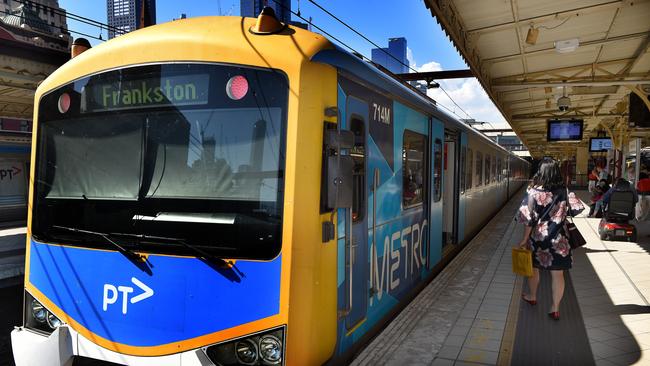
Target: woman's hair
[[548, 175]]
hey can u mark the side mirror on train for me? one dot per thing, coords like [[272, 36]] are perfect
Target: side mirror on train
[[338, 168]]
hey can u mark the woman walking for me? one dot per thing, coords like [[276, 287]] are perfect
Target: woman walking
[[544, 211]]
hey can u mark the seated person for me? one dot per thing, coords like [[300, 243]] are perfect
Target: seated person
[[597, 198], [593, 180], [621, 185]]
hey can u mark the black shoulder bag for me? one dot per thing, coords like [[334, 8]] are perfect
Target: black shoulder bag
[[575, 238]]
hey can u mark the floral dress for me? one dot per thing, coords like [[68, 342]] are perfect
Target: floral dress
[[546, 212]]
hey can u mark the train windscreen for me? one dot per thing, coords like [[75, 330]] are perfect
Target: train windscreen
[[164, 158]]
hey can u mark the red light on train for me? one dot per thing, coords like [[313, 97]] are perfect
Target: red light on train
[[237, 87], [64, 102]]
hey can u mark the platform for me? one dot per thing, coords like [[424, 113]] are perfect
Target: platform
[[471, 313], [12, 255]]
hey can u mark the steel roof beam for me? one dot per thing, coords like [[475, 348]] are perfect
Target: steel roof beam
[[14, 86], [529, 85], [542, 51], [16, 100], [447, 17], [437, 75], [544, 18], [536, 74], [20, 77], [643, 48], [542, 118], [551, 98]]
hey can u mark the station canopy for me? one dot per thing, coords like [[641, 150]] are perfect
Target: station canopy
[[529, 53]]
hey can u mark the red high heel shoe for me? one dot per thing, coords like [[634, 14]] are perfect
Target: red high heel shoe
[[555, 315], [531, 302]]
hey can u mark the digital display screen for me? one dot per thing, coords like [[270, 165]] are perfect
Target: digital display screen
[[600, 144], [564, 130], [177, 90]]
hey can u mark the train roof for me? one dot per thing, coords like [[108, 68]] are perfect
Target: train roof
[[228, 39], [201, 39], [354, 66]]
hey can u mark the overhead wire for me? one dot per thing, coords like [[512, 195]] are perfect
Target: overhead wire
[[555, 26], [367, 58], [384, 51], [49, 25], [75, 17]]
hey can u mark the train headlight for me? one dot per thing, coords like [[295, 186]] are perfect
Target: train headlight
[[263, 348], [270, 349], [37, 317], [246, 351], [53, 321], [38, 311]]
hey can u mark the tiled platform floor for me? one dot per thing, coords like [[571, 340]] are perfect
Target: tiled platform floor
[[612, 281], [465, 316], [12, 255]]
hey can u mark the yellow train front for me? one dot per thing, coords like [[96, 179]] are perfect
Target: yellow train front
[[206, 194]]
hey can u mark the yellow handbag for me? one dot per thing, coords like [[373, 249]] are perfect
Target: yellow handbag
[[522, 262]]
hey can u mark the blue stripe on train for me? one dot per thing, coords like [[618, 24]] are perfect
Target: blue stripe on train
[[190, 298]]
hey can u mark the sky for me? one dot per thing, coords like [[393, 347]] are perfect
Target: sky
[[429, 48]]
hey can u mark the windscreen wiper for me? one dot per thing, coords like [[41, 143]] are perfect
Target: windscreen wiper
[[127, 252], [195, 249]]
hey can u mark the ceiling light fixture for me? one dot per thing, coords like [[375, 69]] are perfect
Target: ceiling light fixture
[[566, 46]]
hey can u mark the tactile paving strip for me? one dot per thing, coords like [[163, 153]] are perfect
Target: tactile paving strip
[[540, 340]]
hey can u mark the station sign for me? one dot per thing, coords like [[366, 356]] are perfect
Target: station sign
[[181, 90]]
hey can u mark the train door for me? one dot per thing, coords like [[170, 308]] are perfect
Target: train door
[[357, 246], [462, 175], [435, 213], [507, 177], [450, 189]]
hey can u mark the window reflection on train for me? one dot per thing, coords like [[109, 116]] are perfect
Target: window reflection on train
[[414, 163], [358, 154], [213, 158]]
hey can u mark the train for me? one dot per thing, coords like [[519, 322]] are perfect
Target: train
[[221, 191]]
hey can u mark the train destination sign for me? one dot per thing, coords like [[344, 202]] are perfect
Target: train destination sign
[[176, 91]]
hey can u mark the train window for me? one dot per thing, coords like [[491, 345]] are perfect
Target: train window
[[463, 157], [497, 163], [358, 154], [469, 171], [193, 157], [499, 177], [488, 169], [479, 168], [437, 170], [413, 168]]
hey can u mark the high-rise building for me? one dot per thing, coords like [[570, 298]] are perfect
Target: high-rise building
[[129, 15], [397, 49], [252, 8], [398, 63]]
